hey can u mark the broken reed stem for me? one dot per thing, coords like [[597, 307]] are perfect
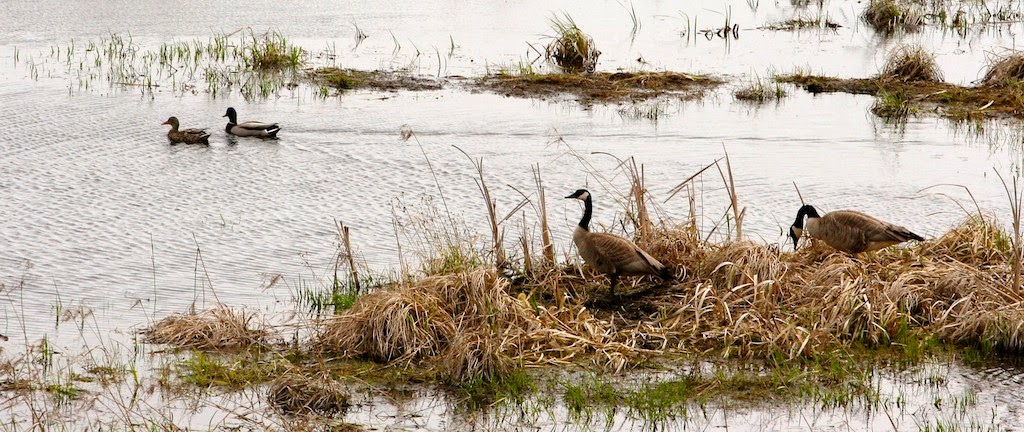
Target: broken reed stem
[[525, 241], [1015, 210], [200, 263], [636, 177], [496, 237], [398, 243], [730, 185], [408, 133], [353, 273], [545, 232]]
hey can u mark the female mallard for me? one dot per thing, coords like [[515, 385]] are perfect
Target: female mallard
[[249, 128], [187, 136]]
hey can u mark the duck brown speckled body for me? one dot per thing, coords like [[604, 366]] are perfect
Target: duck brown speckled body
[[186, 136]]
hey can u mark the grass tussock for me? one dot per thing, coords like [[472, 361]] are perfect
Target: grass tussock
[[271, 51], [295, 393], [459, 320], [761, 91], [890, 15], [910, 64], [1005, 71], [570, 49], [212, 329]]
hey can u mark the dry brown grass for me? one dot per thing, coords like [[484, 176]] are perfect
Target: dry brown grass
[[295, 393], [740, 298], [212, 329], [1005, 70], [910, 64], [890, 15]]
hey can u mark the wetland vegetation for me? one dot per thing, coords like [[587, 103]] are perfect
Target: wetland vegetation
[[508, 327]]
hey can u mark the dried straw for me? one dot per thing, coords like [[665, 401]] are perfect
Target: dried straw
[[1005, 70], [295, 393], [217, 328]]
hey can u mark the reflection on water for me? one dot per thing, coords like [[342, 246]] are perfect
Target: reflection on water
[[97, 211]]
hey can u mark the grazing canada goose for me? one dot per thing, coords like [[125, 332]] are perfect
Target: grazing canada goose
[[609, 253], [249, 128], [849, 231], [187, 136]]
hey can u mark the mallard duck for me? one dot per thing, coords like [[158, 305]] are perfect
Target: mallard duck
[[848, 231], [249, 128], [187, 136], [610, 254]]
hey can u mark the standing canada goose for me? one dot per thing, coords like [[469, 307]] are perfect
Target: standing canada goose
[[609, 253], [187, 136], [249, 128], [849, 231]]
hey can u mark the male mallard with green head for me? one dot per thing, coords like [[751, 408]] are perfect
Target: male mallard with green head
[[249, 128]]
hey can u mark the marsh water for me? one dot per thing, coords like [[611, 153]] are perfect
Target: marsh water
[[99, 215]]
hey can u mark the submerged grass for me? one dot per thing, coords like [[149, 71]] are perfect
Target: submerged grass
[[761, 91]]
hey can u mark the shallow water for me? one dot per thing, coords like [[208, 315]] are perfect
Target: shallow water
[[99, 214]]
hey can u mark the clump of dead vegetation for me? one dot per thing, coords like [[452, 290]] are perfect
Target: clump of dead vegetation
[[296, 393], [570, 49], [1005, 70], [910, 63], [212, 329], [891, 15]]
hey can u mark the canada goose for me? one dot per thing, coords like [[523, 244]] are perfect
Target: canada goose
[[187, 136], [849, 231], [609, 253], [249, 128]]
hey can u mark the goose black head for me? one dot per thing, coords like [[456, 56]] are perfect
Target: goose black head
[[795, 233], [797, 229], [231, 115], [580, 194]]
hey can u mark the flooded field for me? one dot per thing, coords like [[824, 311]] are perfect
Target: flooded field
[[106, 228]]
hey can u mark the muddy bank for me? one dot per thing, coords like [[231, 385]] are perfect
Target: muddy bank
[[924, 97]]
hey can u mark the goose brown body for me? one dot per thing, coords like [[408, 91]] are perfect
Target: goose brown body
[[849, 231], [610, 254], [187, 136]]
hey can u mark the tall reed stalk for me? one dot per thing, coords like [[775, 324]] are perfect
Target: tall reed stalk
[[730, 185], [353, 273], [542, 212], [1015, 198], [497, 237]]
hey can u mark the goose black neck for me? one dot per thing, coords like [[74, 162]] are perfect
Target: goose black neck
[[808, 211], [588, 209]]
